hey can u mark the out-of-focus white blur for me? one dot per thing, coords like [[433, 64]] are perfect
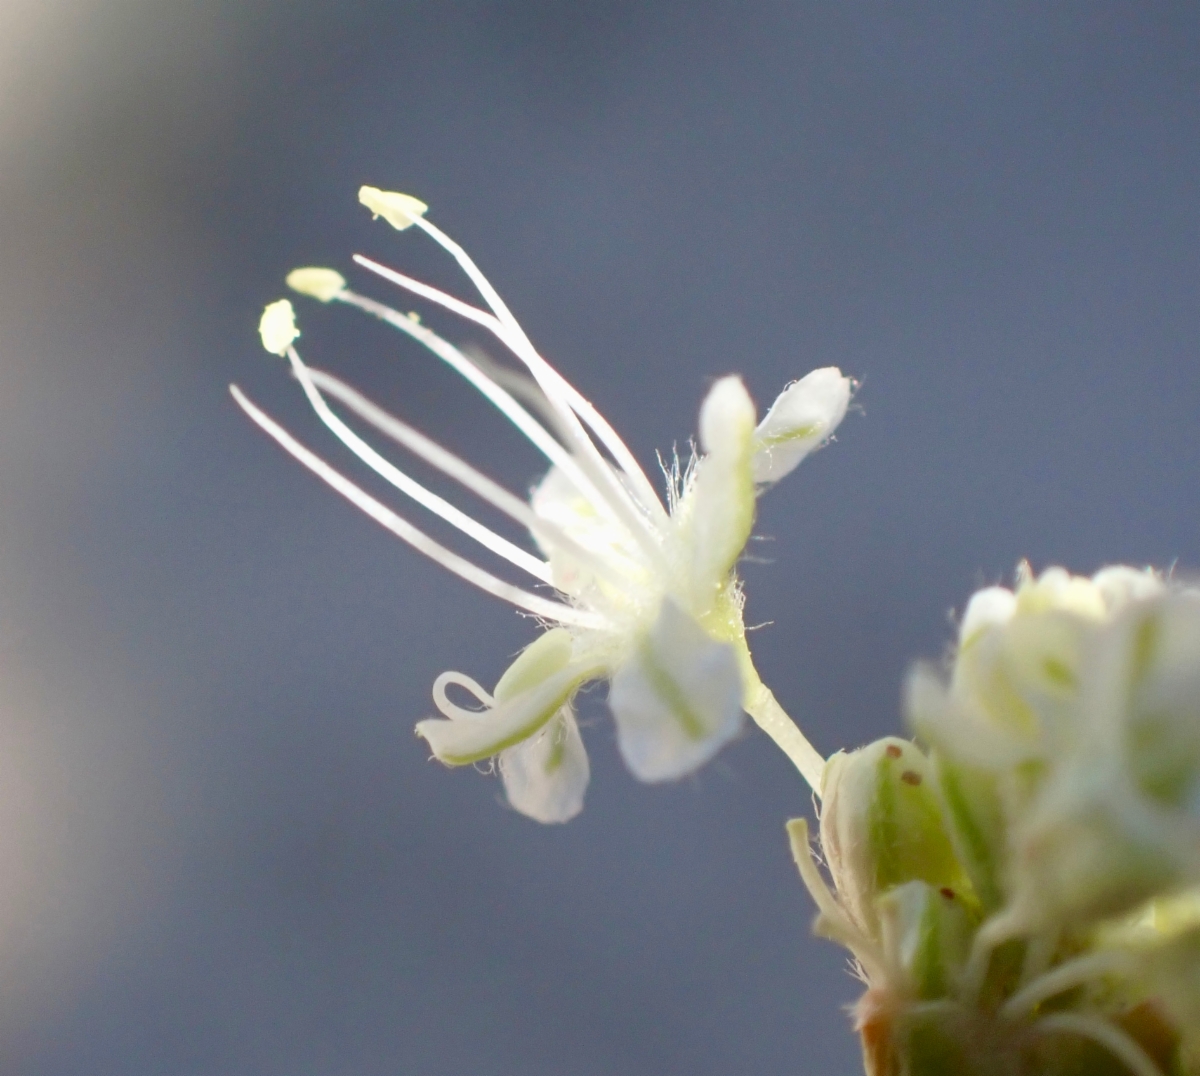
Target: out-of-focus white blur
[[80, 802]]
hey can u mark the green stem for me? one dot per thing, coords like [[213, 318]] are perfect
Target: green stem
[[762, 705]]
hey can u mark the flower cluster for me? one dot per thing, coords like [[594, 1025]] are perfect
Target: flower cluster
[[645, 593], [1022, 890]]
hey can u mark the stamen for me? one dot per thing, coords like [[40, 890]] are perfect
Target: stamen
[[522, 386], [486, 537], [424, 447], [573, 398], [600, 475], [646, 494], [491, 492], [451, 710], [434, 295], [497, 396], [419, 540]]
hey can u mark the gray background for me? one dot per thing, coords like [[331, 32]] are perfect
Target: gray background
[[221, 849]]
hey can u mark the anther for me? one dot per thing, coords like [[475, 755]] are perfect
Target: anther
[[317, 283], [399, 210], [277, 327]]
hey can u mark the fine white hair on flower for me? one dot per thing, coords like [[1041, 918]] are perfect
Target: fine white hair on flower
[[646, 594]]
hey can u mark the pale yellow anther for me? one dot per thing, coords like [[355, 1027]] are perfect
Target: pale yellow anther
[[277, 327], [317, 283], [399, 210]]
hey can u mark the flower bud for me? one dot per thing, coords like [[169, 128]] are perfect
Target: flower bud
[[882, 826], [1092, 848], [1161, 723], [974, 813], [927, 934], [1020, 655]]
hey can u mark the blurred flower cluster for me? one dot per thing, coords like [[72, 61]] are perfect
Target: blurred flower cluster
[[1020, 887]]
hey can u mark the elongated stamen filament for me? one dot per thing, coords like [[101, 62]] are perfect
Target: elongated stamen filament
[[646, 494], [424, 447], [447, 462], [418, 539], [486, 537], [615, 496], [522, 386], [574, 399], [617, 500], [499, 397]]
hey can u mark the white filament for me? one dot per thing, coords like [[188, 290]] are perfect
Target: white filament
[[486, 537], [530, 356], [448, 463], [424, 447], [576, 401], [499, 397], [419, 540], [615, 496]]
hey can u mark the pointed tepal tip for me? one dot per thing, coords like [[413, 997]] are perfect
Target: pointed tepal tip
[[399, 210], [322, 284], [277, 327]]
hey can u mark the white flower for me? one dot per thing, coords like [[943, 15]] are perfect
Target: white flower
[[1070, 734], [646, 593], [1014, 687]]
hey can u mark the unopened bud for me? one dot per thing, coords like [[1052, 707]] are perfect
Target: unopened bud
[[882, 826], [927, 933]]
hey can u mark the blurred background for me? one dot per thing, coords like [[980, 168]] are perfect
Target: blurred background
[[221, 849]]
